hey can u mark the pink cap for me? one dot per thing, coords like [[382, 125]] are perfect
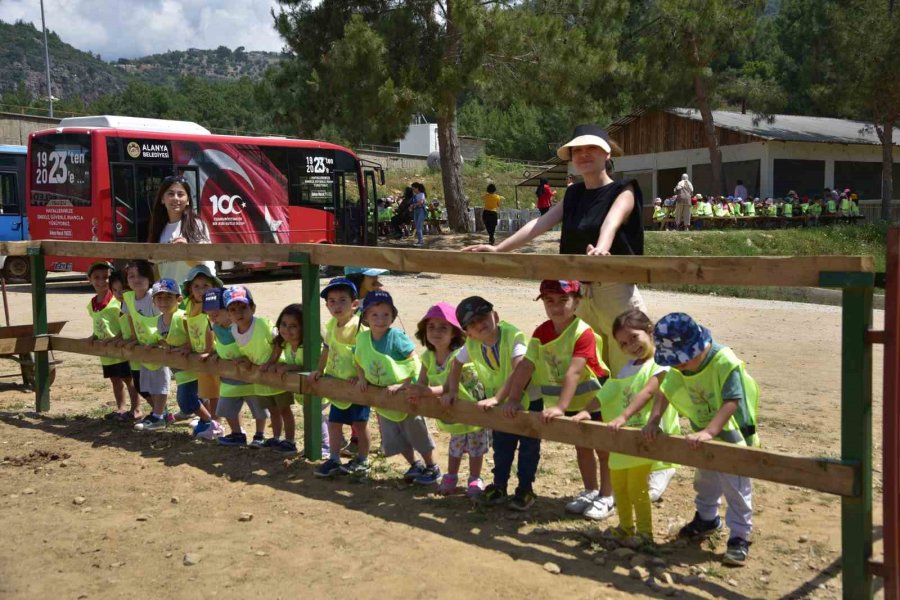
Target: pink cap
[[442, 310]]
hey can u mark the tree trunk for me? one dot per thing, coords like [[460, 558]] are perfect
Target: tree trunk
[[887, 167], [712, 141], [451, 167]]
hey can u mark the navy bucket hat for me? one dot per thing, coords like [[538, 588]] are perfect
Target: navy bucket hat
[[679, 339]]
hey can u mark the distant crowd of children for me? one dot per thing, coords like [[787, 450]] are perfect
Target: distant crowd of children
[[804, 210], [470, 356]]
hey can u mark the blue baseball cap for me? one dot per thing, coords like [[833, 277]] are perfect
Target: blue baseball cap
[[378, 297], [165, 286], [196, 272], [213, 300], [679, 339], [368, 271], [337, 283], [237, 293]]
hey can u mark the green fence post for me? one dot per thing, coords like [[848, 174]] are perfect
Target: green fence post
[[856, 440], [39, 320], [312, 347]]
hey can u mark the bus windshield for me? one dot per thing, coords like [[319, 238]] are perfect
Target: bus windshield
[[61, 170]]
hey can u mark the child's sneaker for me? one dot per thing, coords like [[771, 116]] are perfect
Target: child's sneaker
[[448, 484], [169, 417], [273, 443], [202, 427], [286, 447], [330, 468], [414, 471], [698, 528], [658, 482], [212, 432], [429, 476], [475, 487], [258, 441], [355, 468], [150, 423], [736, 554], [493, 495], [582, 502], [601, 508], [234, 439], [522, 500]]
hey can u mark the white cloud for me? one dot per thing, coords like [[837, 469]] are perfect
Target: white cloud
[[128, 29]]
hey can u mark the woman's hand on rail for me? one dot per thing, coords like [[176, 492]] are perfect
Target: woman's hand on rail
[[178, 240], [480, 248], [594, 251]]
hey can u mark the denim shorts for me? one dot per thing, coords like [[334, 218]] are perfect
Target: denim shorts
[[348, 416], [188, 397]]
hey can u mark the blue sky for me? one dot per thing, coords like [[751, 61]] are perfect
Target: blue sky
[[131, 28]]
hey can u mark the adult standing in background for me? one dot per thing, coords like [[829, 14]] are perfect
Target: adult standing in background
[[600, 217], [489, 214], [740, 190], [683, 192], [419, 211], [544, 195], [173, 221]]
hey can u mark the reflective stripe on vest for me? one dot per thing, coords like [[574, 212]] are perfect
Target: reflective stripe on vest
[[105, 324], [470, 388], [144, 327], [382, 370], [492, 379], [340, 355], [259, 350], [228, 387], [551, 363], [176, 338]]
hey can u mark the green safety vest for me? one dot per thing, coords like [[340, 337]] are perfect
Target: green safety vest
[[125, 332], [106, 325], [259, 350], [178, 337], [771, 210], [659, 214], [699, 397], [695, 210], [492, 379], [804, 208], [145, 328], [845, 204], [749, 209], [719, 211], [292, 358], [551, 361], [815, 209], [382, 370], [830, 207], [470, 389], [736, 209], [340, 356], [618, 394], [854, 209], [228, 387], [787, 210]]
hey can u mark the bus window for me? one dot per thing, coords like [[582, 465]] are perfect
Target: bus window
[[349, 216], [9, 201], [125, 222], [61, 170]]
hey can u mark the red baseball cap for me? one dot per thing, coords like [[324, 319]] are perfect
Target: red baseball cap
[[560, 286]]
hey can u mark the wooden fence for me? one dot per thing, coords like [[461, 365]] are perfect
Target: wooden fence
[[850, 476]]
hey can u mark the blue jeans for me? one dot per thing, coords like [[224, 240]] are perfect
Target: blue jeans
[[529, 455], [187, 397], [419, 219]]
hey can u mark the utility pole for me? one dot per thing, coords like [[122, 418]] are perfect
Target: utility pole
[[47, 59]]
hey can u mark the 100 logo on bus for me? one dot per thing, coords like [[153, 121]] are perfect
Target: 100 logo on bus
[[227, 205]]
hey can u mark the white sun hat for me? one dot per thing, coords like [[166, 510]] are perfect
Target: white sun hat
[[585, 135]]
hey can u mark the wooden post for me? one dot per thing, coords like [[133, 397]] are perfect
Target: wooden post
[[39, 320], [856, 440], [312, 347], [891, 422]]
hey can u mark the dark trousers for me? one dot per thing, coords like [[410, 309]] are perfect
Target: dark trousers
[[505, 445], [490, 223], [543, 211]]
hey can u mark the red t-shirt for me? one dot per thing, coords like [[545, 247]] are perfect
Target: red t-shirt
[[544, 198], [98, 306], [585, 346]]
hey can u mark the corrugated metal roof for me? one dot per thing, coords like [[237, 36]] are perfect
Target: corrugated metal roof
[[794, 128]]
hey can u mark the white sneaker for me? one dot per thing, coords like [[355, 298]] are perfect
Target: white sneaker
[[601, 508], [582, 502], [658, 482]]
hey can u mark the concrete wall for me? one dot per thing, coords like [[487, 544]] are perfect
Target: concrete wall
[[14, 129], [392, 160], [420, 140]]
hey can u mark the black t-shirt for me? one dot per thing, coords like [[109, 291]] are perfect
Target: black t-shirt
[[584, 211]]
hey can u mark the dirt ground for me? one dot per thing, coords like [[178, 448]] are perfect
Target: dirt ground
[[94, 510]]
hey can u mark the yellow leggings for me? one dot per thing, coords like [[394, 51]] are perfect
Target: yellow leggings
[[631, 491]]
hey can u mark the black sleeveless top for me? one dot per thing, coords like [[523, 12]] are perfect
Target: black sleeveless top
[[584, 211]]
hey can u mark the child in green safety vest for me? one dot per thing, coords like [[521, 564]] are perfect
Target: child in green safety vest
[[173, 331], [233, 393], [336, 360], [386, 357], [637, 482], [255, 338], [709, 386], [287, 355], [564, 360], [104, 310], [496, 348], [440, 333], [118, 285]]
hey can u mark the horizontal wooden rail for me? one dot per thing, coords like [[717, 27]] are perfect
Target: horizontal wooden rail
[[24, 345], [17, 248], [751, 271], [820, 474]]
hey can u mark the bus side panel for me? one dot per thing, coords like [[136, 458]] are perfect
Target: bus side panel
[[311, 225]]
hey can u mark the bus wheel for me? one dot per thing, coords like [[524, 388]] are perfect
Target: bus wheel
[[17, 268]]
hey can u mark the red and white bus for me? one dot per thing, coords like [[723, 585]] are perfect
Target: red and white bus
[[96, 178]]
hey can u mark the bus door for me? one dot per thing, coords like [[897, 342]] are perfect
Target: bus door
[[348, 217], [13, 226], [371, 231], [134, 189]]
